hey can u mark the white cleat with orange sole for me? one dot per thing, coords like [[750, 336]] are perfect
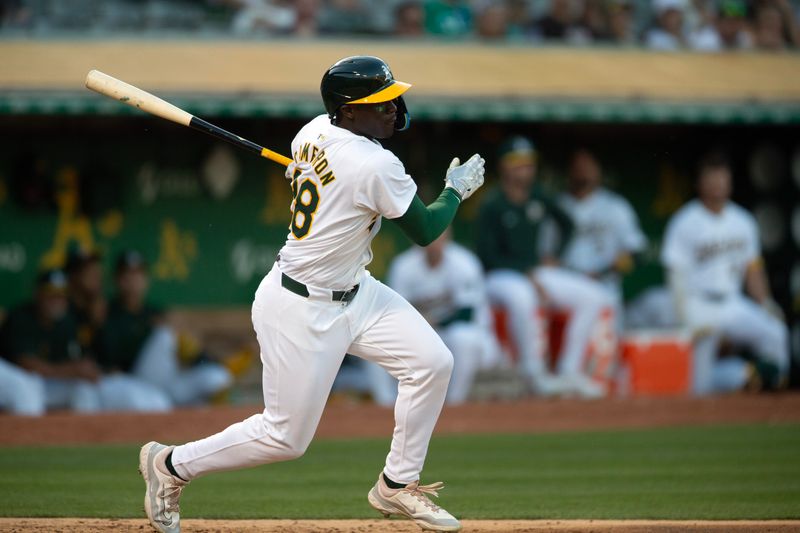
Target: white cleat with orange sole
[[413, 502]]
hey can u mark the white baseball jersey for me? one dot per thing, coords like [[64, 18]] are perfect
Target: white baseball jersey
[[605, 226], [439, 292], [711, 250], [343, 184]]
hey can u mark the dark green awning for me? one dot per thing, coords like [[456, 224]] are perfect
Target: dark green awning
[[423, 108]]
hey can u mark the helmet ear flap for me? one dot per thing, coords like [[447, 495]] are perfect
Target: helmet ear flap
[[403, 120]]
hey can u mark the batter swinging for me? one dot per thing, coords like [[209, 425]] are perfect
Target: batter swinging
[[318, 302]]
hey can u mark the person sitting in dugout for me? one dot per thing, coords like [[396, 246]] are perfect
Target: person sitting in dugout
[[41, 336], [137, 339], [87, 303]]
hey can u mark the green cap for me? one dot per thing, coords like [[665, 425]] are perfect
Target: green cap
[[517, 150]]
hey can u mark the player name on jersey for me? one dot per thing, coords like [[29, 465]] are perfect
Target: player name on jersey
[[310, 153]]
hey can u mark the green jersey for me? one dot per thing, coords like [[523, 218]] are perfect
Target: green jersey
[[124, 334], [509, 235], [22, 335]]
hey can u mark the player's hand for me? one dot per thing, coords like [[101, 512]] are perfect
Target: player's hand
[[467, 178], [85, 369]]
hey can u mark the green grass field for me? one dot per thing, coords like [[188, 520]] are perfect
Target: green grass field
[[729, 472]]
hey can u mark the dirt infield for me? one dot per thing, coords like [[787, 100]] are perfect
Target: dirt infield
[[366, 420], [86, 525]]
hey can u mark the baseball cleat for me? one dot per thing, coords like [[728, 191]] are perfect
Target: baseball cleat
[[546, 385], [584, 387], [163, 490], [412, 502]]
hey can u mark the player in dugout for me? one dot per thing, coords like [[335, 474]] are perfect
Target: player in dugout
[[41, 336], [711, 250], [137, 339], [520, 278]]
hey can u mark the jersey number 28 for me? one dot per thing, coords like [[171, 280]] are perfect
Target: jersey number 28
[[306, 201]]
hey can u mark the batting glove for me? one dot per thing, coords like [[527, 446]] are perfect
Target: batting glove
[[467, 178]]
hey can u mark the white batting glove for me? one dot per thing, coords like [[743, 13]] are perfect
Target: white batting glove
[[467, 178]]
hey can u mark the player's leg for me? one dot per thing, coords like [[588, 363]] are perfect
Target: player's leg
[[75, 394], [585, 300], [123, 392], [302, 344], [745, 322], [703, 320], [465, 341], [515, 293], [158, 363], [390, 332], [730, 374], [383, 385], [21, 392]]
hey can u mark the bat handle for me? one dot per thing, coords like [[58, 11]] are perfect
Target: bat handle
[[275, 156], [206, 127]]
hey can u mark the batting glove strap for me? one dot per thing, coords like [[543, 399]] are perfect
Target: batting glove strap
[[467, 178]]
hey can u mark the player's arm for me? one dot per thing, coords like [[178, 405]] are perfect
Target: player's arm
[[424, 224], [468, 292], [756, 283], [78, 369], [632, 239], [674, 254]]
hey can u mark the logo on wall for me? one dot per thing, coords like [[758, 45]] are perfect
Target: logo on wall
[[249, 259], [12, 257], [177, 250], [220, 172], [154, 183]]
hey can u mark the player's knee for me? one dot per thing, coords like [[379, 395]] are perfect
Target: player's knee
[[442, 366], [293, 449]]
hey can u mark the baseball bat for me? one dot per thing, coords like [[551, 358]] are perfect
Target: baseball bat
[[136, 97]]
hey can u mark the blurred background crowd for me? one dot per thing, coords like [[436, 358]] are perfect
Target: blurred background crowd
[[704, 25], [130, 248]]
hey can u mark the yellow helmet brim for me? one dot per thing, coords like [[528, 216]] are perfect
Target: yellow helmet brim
[[384, 95]]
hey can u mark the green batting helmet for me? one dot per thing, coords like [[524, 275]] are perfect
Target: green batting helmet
[[363, 80]]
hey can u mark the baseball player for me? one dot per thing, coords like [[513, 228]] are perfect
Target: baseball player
[[136, 339], [42, 337], [318, 302], [711, 248], [520, 280], [607, 234], [455, 305]]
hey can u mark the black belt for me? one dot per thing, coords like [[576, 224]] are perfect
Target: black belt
[[301, 289]]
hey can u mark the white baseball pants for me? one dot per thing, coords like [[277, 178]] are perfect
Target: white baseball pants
[[473, 348], [514, 292], [303, 341], [21, 392], [582, 297], [741, 321], [157, 363]]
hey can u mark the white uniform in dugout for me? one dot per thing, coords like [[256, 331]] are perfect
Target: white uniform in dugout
[[605, 227], [455, 305], [708, 255]]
